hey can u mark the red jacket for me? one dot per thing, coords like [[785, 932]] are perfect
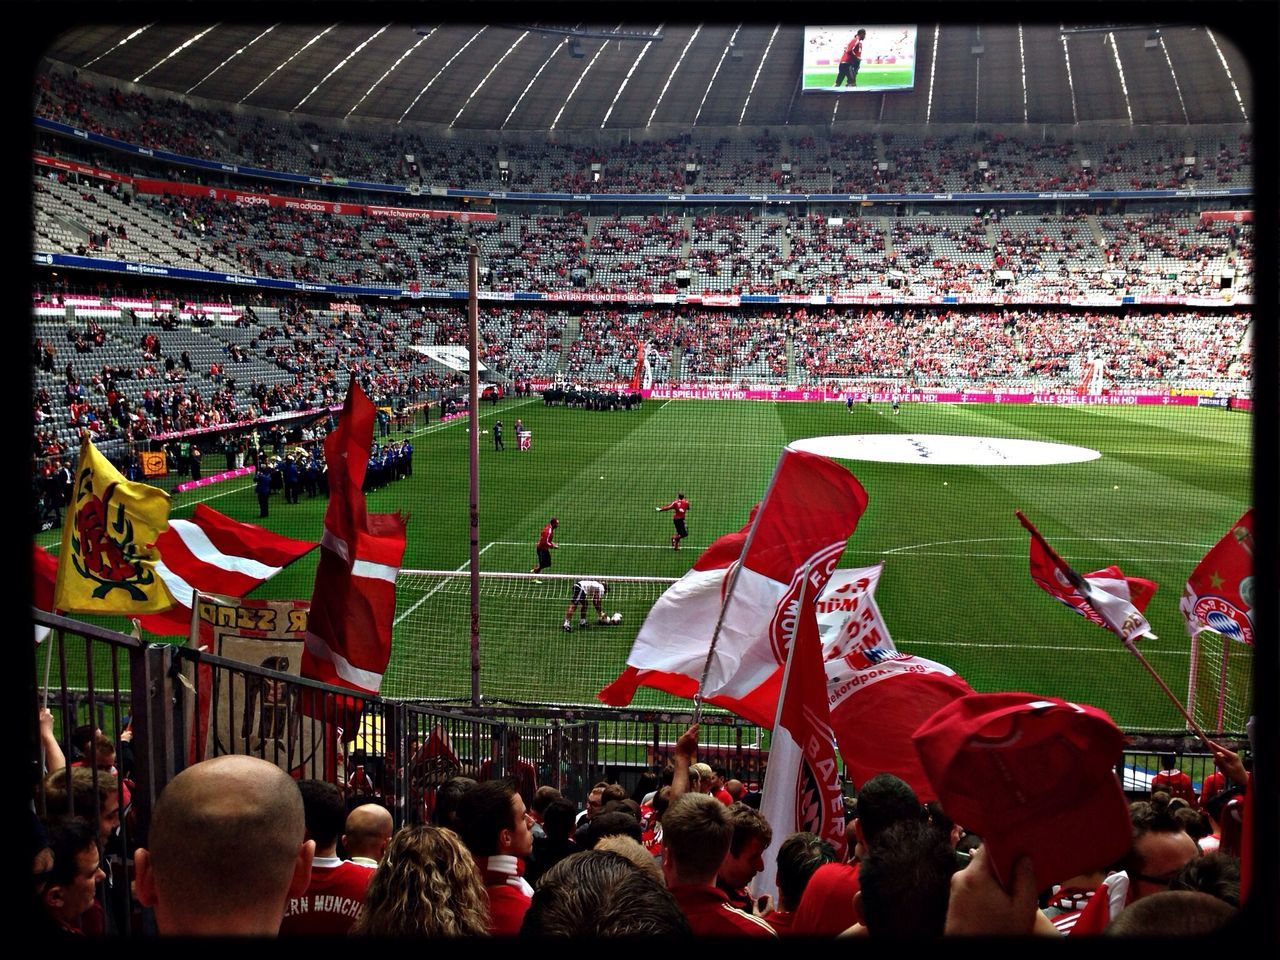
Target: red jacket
[[710, 914]]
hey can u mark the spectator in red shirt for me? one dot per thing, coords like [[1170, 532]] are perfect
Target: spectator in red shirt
[[332, 899], [696, 831], [1172, 780], [497, 829], [798, 857]]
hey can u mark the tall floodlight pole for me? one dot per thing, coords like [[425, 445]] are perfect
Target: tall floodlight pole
[[473, 417]]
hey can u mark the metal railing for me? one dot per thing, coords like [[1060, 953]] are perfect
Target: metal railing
[[181, 705]]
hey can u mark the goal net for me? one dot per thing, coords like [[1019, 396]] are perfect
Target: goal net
[[525, 654], [1219, 694]]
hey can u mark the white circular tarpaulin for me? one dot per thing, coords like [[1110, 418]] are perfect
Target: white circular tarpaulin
[[943, 449]]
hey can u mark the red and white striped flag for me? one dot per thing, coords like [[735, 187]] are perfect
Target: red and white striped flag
[[214, 554], [808, 514], [1105, 597], [354, 600]]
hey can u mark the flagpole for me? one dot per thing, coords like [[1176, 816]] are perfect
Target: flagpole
[[473, 339], [728, 593], [1082, 588], [48, 665], [777, 722]]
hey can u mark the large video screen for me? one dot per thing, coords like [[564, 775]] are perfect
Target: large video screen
[[857, 59]]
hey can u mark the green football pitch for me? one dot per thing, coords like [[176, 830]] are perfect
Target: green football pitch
[[870, 77], [1169, 482]]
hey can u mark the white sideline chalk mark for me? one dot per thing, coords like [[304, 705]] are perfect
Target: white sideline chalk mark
[[1115, 648], [430, 593], [213, 496], [1021, 556], [1023, 539], [605, 546]]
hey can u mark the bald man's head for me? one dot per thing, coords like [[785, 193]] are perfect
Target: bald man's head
[[224, 844], [368, 831]]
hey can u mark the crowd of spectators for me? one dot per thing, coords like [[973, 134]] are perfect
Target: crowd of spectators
[[683, 853], [980, 161], [298, 356], [989, 256]]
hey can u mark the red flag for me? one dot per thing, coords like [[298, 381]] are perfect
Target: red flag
[[1105, 597], [877, 696], [811, 509], [214, 554], [354, 601], [1219, 593], [44, 574], [433, 764], [642, 376], [802, 786]]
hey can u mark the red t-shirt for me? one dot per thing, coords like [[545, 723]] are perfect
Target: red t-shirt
[[710, 914], [332, 901], [826, 907], [1213, 785], [544, 541], [681, 507], [1176, 783]]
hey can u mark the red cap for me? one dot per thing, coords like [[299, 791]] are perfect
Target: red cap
[[1033, 776]]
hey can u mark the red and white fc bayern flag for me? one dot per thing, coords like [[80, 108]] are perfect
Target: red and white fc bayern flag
[[802, 785], [877, 696], [808, 514], [1219, 593], [214, 554], [354, 600], [1110, 599]]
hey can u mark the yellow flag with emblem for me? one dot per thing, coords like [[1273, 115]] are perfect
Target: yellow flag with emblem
[[108, 557]]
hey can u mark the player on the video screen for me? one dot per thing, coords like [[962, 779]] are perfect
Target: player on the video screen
[[851, 60]]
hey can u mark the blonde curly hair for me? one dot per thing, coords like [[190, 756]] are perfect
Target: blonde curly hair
[[426, 885]]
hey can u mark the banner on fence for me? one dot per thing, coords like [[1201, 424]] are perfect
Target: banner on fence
[[245, 713]]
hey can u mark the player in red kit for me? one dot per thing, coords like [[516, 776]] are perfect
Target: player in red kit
[[680, 506], [851, 60], [546, 543]]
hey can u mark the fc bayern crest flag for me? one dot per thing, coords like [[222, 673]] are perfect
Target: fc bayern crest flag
[[1219, 594], [1105, 597], [107, 563], [877, 696], [802, 785], [747, 582]]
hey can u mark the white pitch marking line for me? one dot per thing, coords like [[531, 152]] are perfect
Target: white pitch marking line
[[1020, 539], [430, 593], [434, 428], [606, 546], [1042, 646], [213, 496], [1016, 556]]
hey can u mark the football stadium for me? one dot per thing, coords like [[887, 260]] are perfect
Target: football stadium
[[425, 401]]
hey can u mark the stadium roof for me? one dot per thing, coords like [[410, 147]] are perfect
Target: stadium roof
[[666, 76]]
